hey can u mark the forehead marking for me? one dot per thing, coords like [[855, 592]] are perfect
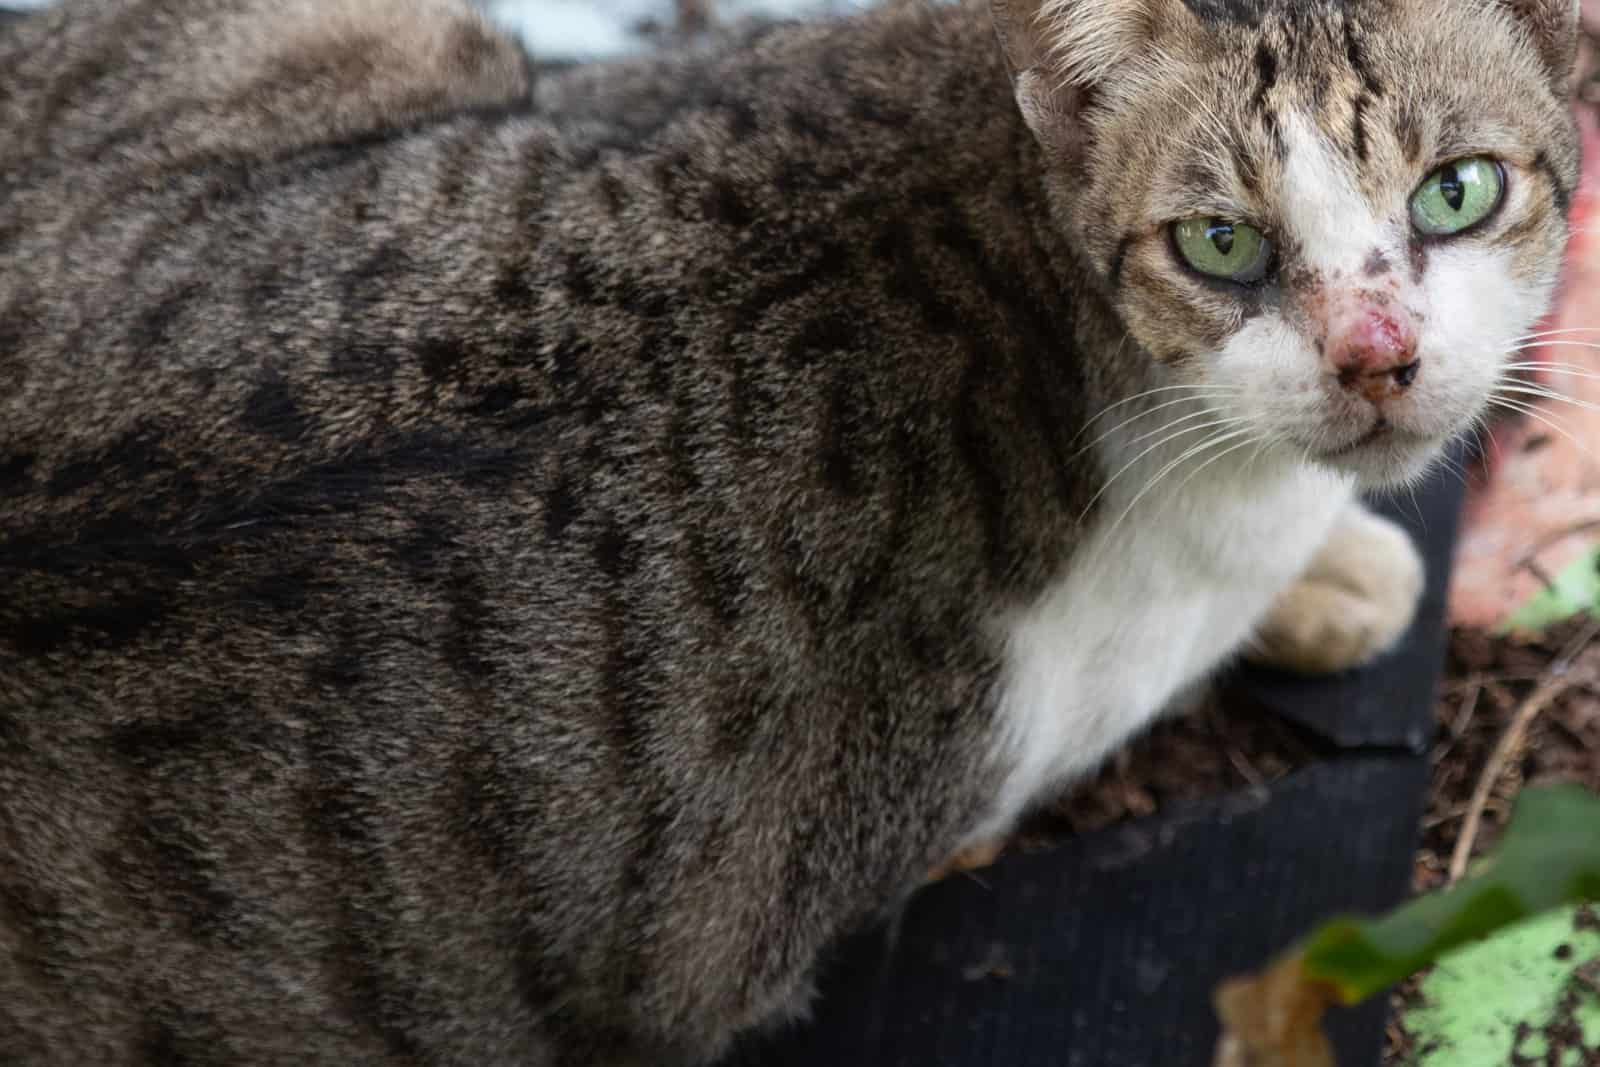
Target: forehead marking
[[1266, 74], [1358, 123], [1247, 12], [1355, 53], [1322, 204], [1371, 88], [1266, 78]]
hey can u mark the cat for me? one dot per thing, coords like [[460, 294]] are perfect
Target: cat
[[503, 567]]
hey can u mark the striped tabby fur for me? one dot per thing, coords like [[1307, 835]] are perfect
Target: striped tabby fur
[[502, 571]]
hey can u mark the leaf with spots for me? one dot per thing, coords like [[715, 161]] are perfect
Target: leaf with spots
[[1549, 857]]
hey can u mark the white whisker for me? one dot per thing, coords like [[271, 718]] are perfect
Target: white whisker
[[1224, 420], [1227, 451], [1195, 390], [1183, 457], [1554, 333], [1135, 418], [1486, 442], [1557, 342], [1548, 394], [1454, 466], [1568, 370], [1126, 467], [1533, 413]]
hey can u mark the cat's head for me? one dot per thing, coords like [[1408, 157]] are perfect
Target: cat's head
[[1334, 218]]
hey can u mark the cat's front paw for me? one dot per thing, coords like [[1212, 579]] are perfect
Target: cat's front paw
[[1353, 603]]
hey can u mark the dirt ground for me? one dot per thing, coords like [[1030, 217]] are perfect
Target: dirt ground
[[1551, 681], [1482, 759]]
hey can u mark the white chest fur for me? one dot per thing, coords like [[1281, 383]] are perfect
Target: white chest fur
[[1152, 601]]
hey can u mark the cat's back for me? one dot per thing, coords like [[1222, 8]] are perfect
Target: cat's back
[[153, 153], [411, 485], [230, 323], [205, 594]]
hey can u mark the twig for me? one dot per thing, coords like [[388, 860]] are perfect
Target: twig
[[1443, 817], [1575, 735], [1544, 577], [1479, 679], [1484, 679], [1242, 765], [1508, 744], [1563, 662], [1459, 724], [1553, 538], [1503, 700], [1463, 716], [1557, 680]]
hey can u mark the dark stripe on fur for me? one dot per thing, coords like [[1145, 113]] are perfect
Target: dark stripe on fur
[[1559, 188], [630, 695], [1355, 54], [1266, 74], [1118, 258], [1358, 126]]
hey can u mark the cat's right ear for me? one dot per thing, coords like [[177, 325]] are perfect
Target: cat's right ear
[[1056, 51]]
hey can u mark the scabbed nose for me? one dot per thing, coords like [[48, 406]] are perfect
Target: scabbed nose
[[1373, 351]]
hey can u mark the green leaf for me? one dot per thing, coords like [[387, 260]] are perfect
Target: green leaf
[[1550, 856], [1501, 1000], [1574, 591]]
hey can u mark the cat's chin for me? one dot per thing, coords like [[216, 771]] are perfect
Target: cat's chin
[[1383, 460]]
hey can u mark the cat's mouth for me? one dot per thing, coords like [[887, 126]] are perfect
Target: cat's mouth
[[1379, 431], [1383, 454]]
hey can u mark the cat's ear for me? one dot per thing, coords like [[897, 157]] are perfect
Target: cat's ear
[[1553, 27], [1057, 50]]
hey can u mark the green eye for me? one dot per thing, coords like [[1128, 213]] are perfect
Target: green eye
[[1457, 197], [1233, 251]]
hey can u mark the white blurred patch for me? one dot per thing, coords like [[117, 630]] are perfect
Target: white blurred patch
[[587, 29], [580, 29], [577, 28]]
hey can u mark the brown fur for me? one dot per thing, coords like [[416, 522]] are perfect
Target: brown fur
[[497, 573]]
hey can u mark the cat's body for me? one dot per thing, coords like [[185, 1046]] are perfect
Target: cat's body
[[496, 573]]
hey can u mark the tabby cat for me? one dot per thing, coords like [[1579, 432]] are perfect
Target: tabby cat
[[502, 570]]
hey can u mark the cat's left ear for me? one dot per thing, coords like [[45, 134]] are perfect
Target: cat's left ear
[[1058, 49], [1552, 25], [1050, 104]]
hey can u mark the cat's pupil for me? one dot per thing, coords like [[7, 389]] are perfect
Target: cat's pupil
[[1221, 236], [1452, 188]]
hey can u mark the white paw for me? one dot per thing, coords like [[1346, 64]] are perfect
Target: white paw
[[1354, 602]]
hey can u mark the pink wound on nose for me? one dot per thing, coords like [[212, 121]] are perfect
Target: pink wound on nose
[[1373, 341], [1386, 336]]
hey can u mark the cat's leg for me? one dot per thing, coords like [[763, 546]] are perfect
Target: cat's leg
[[1352, 604]]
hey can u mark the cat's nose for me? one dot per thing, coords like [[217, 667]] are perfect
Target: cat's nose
[[1374, 353]]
